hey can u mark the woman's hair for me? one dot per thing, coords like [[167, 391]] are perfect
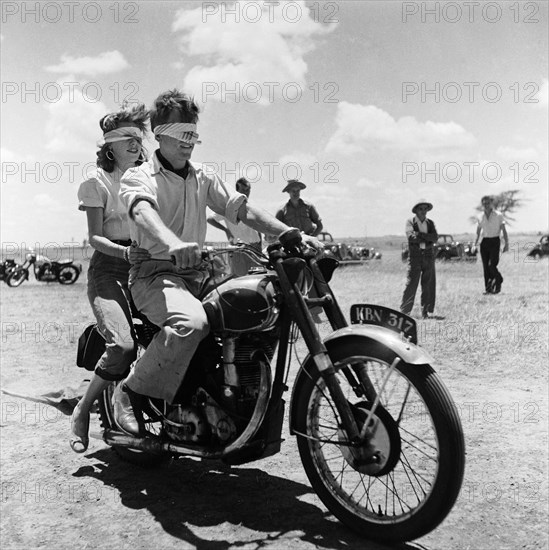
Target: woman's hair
[[135, 114], [173, 100]]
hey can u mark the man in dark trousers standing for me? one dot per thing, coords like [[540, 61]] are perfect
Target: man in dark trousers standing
[[422, 235], [491, 224]]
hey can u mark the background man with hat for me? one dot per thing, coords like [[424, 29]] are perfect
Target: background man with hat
[[299, 213], [422, 235]]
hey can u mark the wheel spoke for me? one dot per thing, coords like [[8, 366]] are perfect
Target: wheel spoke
[[405, 487]]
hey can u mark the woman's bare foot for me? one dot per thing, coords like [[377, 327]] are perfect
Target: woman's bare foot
[[80, 425]]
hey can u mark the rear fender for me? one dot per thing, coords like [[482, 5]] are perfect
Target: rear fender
[[382, 343]]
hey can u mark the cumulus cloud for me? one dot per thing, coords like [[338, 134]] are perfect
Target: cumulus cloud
[[363, 127], [302, 166], [261, 43], [73, 123], [104, 63]]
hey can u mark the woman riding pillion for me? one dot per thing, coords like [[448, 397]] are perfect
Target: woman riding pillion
[[109, 235]]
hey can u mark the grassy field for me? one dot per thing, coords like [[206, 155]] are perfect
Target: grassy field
[[491, 351]]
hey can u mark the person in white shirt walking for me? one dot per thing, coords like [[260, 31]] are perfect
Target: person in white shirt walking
[[491, 224], [238, 233]]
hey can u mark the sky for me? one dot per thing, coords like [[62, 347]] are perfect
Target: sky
[[373, 105]]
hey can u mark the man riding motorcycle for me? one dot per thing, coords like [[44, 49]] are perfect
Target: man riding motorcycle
[[166, 201]]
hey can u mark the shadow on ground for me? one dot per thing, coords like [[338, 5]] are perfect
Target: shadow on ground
[[187, 493]]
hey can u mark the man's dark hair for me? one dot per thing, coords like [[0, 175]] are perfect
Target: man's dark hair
[[173, 100]]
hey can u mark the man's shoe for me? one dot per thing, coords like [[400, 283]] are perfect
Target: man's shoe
[[126, 413]]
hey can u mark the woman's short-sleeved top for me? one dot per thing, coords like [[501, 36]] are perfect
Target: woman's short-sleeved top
[[102, 191]]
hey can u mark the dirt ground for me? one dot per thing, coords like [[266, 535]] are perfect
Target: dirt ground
[[53, 498]]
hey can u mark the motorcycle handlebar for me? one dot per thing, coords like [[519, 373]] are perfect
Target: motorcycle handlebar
[[289, 242], [210, 252]]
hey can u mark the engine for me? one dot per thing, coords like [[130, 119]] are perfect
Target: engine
[[224, 397]]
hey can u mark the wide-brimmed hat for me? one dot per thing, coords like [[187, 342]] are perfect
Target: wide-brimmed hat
[[420, 202], [294, 183]]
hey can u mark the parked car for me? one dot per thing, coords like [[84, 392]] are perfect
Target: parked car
[[446, 248], [540, 249], [347, 254]]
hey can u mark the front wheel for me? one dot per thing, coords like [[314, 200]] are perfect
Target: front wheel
[[68, 275], [417, 445], [17, 277]]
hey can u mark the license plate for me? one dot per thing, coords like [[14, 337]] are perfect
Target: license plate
[[369, 314]]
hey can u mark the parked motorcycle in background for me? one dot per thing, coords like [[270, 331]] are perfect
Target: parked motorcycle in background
[[6, 267], [378, 433], [45, 270]]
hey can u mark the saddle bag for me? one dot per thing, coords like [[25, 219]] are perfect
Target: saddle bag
[[91, 346]]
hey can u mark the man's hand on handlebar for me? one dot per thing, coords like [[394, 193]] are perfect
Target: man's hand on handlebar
[[186, 255], [312, 242]]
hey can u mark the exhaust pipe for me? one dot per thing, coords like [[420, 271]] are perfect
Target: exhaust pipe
[[121, 439]]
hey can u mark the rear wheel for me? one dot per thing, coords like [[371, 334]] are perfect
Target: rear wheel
[[135, 456], [17, 277], [68, 275], [417, 444]]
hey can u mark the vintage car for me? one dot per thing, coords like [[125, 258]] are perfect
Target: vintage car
[[347, 254], [446, 248], [541, 248]]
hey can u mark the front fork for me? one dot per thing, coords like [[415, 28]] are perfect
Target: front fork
[[299, 306]]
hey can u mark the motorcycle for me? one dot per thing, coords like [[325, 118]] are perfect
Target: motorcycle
[[6, 267], [64, 272], [378, 433]]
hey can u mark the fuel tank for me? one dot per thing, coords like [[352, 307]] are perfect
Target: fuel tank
[[244, 304]]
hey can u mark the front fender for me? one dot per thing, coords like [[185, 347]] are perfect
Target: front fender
[[408, 352], [383, 343]]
